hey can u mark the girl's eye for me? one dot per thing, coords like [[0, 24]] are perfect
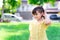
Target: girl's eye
[[35, 13]]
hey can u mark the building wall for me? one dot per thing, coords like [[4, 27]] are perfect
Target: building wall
[[26, 15]]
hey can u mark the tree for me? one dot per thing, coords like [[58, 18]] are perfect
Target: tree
[[0, 12], [40, 2], [10, 6], [1, 3]]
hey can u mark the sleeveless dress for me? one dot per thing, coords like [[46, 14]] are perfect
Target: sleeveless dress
[[38, 30]]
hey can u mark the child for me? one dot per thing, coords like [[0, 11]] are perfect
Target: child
[[38, 27]]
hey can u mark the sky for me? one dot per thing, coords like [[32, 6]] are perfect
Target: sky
[[1, 3]]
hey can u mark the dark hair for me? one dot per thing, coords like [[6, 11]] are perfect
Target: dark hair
[[39, 9]]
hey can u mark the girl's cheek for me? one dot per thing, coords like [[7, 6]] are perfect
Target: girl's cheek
[[39, 16]]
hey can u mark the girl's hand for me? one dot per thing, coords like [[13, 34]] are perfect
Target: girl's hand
[[47, 22]]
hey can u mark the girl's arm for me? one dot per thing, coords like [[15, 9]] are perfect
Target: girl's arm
[[47, 20], [47, 23]]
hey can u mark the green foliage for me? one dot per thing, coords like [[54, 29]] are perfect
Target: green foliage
[[0, 12], [14, 3], [11, 5], [40, 2], [0, 15]]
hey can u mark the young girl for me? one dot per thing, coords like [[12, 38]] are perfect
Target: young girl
[[38, 27]]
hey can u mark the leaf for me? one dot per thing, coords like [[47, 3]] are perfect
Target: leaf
[[40, 2], [11, 4]]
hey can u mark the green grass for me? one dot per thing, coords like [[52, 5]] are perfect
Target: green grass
[[20, 31], [14, 31], [53, 31]]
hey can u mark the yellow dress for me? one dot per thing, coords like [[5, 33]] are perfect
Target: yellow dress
[[38, 31]]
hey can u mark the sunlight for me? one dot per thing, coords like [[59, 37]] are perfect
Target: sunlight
[[1, 3]]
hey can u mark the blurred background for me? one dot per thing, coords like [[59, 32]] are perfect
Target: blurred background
[[23, 8], [15, 16]]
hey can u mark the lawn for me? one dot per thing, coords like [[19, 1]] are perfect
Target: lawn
[[20, 31], [53, 31]]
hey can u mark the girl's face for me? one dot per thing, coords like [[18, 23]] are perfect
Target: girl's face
[[38, 15]]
